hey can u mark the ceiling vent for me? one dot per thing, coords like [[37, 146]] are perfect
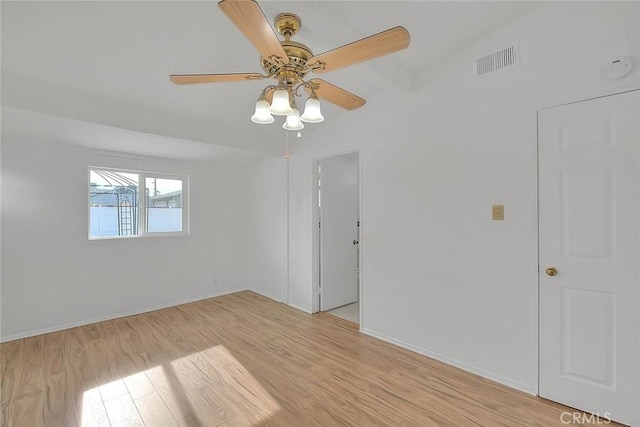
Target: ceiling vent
[[503, 58]]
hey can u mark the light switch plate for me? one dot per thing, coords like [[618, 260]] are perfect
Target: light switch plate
[[498, 212]]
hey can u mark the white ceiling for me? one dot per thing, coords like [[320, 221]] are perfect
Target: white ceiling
[[108, 62]]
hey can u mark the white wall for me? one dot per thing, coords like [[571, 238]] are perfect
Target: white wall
[[267, 229], [438, 275], [54, 277]]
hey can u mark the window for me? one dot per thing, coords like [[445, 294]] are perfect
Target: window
[[132, 203]]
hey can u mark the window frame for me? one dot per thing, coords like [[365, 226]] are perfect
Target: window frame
[[142, 203]]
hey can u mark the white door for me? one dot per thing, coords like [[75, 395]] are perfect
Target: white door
[[338, 231], [589, 233]]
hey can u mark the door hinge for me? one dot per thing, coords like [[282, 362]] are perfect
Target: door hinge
[[318, 224]]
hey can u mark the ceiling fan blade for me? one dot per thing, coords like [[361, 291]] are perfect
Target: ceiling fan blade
[[187, 79], [380, 44], [249, 18], [336, 95]]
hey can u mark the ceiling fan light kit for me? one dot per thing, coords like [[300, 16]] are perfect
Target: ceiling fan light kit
[[312, 113], [262, 115], [293, 120], [289, 62], [280, 105]]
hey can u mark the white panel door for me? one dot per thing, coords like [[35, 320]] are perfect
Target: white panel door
[[589, 233], [338, 230]]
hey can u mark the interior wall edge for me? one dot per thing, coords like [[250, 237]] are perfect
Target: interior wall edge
[[525, 388], [28, 334], [297, 307], [117, 155], [34, 128]]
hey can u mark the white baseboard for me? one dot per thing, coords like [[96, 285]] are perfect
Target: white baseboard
[[300, 308], [280, 301], [113, 316], [526, 388]]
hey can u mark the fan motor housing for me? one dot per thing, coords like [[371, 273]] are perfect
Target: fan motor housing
[[298, 55], [288, 24]]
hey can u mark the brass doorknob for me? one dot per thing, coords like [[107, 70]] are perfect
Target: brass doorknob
[[551, 271]]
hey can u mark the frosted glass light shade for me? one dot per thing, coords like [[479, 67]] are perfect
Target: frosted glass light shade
[[280, 104], [293, 121], [262, 115], [312, 112]]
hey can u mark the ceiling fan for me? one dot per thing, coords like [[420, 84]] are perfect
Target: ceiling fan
[[289, 62]]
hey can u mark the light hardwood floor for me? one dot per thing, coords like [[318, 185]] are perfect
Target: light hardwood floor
[[243, 360]]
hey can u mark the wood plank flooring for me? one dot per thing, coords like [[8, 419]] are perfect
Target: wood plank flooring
[[244, 360]]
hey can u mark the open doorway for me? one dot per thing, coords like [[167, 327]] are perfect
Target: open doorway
[[337, 194]]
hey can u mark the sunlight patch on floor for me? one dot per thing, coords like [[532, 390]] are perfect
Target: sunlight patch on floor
[[207, 387]]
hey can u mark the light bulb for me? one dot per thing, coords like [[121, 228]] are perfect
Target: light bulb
[[312, 112], [262, 115], [280, 104], [293, 121]]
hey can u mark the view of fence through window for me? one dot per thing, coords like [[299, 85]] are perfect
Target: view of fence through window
[[164, 204], [115, 204]]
